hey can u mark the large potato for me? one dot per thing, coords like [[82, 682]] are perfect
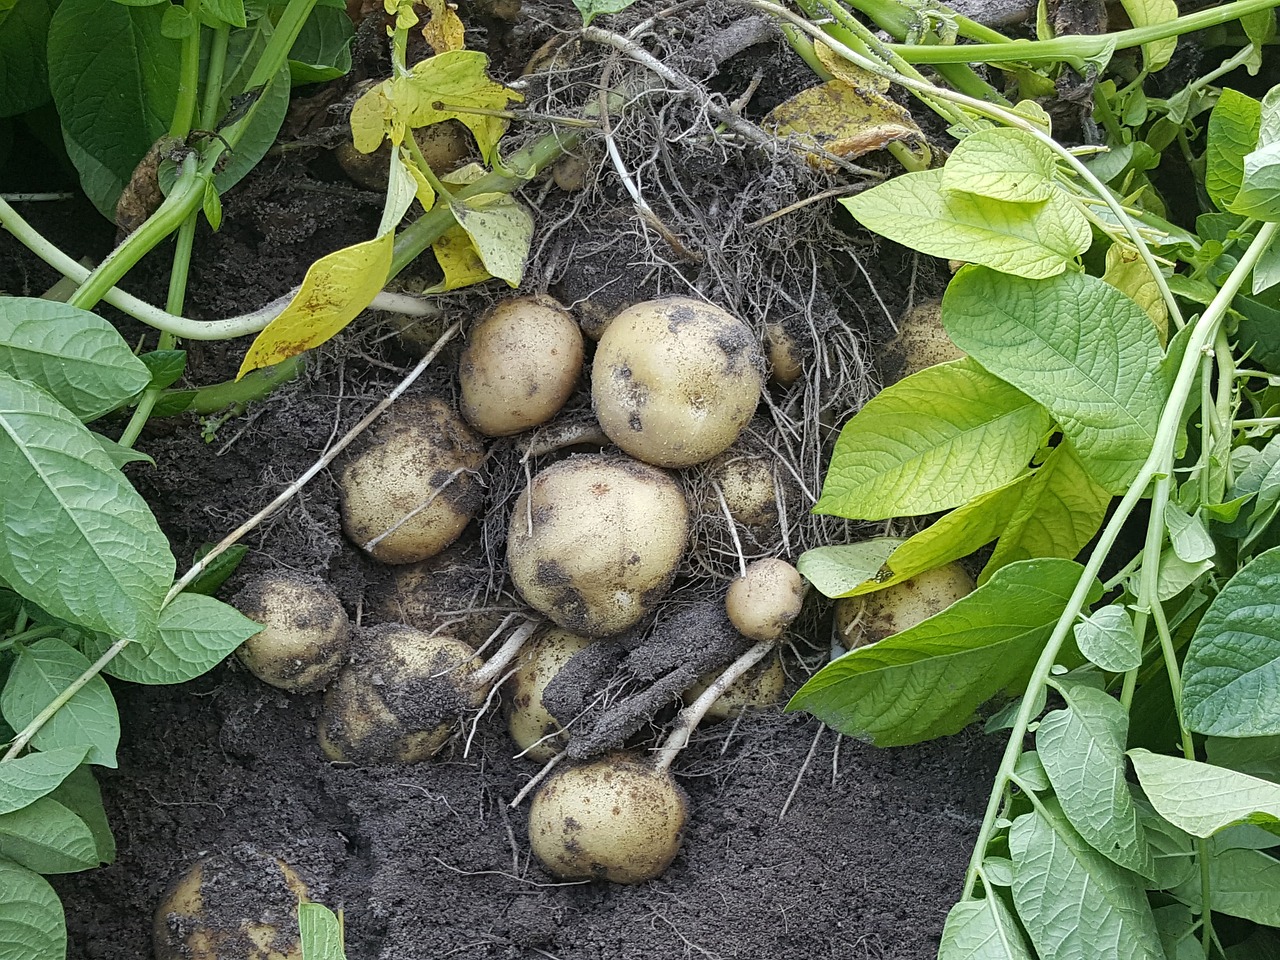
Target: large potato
[[520, 365], [595, 541], [412, 490], [873, 616], [303, 642], [674, 381]]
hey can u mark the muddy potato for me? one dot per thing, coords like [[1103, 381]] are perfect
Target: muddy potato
[[749, 489], [615, 819], [520, 365], [874, 616], [764, 602], [241, 904], [785, 359], [444, 145], [412, 489], [761, 686], [594, 542], [305, 631], [674, 381], [532, 728], [400, 698], [921, 341]]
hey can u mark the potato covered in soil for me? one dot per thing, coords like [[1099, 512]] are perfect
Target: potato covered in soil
[[241, 904], [674, 381], [400, 698], [595, 541], [785, 363], [874, 616], [305, 631], [444, 146], [747, 484], [921, 341], [412, 489], [764, 602], [615, 819], [532, 727], [761, 686], [520, 365]]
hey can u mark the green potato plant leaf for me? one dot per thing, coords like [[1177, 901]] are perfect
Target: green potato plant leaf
[[1107, 638], [983, 929], [1243, 883], [1002, 163], [1187, 535], [1099, 381], [323, 48], [840, 570], [930, 442], [319, 933], [80, 794], [1201, 798], [47, 837], [1142, 13], [32, 924], [927, 681], [24, 779], [1232, 134], [24, 73], [1033, 240], [1259, 183], [500, 229], [1256, 756]]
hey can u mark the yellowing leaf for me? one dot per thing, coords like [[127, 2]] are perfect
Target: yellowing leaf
[[850, 73], [444, 31], [450, 86], [843, 119], [425, 192], [402, 187], [371, 117], [334, 291], [501, 230], [1127, 272], [1002, 163], [1144, 13], [457, 257]]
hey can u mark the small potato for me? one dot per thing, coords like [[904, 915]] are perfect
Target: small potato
[[399, 699], [921, 341], [520, 365], [674, 381], [412, 490], [874, 616], [785, 364], [305, 631], [444, 145], [762, 604], [750, 492], [615, 819], [761, 686], [595, 541], [241, 904], [532, 728]]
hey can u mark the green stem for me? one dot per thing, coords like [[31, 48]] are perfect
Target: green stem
[[213, 81], [804, 49], [184, 110], [34, 633], [252, 386]]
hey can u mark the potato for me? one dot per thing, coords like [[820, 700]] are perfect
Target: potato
[[520, 365], [674, 381], [761, 686], [595, 541], [303, 643], [785, 365], [874, 616], [399, 699], [764, 602], [444, 145], [527, 719], [412, 490], [615, 819], [921, 341], [747, 484], [241, 904]]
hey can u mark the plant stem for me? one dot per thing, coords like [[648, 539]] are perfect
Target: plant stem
[[505, 654], [252, 386], [213, 80], [184, 110]]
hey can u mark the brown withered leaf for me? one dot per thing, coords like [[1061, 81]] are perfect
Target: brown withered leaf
[[844, 120]]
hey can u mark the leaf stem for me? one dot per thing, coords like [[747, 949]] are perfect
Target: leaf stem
[[184, 110]]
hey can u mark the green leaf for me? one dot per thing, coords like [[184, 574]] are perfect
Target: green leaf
[[217, 572], [1002, 163], [178, 23], [319, 933], [1178, 928], [1257, 196], [1188, 536], [590, 9], [75, 355], [1099, 379], [1256, 756], [1231, 675], [927, 681], [227, 11], [1232, 134], [930, 442], [1030, 772], [1106, 637], [1244, 883], [982, 930], [47, 837], [80, 794], [196, 633], [211, 205], [41, 672], [66, 500], [839, 571], [1033, 240], [1082, 749], [501, 230], [1143, 13], [244, 51], [1074, 903], [323, 48], [29, 778], [24, 74], [1201, 798], [1172, 848], [118, 454], [32, 925], [97, 46], [1061, 509], [164, 366]]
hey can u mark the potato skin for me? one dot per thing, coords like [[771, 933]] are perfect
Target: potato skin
[[412, 453], [674, 381], [761, 686], [873, 616], [303, 643], [763, 604], [615, 819], [520, 365], [921, 341], [606, 537], [528, 721]]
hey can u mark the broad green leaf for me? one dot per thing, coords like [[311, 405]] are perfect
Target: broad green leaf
[[1171, 847], [1128, 273], [590, 9], [1002, 163], [1201, 798], [335, 290], [982, 930], [1232, 134], [120, 455], [1178, 928], [75, 355], [41, 672], [96, 46], [927, 681], [1244, 883], [1145, 13], [1030, 772], [1074, 903], [80, 794], [270, 105], [1176, 574], [65, 499], [839, 571], [500, 229], [227, 11], [1260, 28], [47, 837], [29, 778], [1231, 675], [196, 633], [1256, 756], [1259, 183], [1188, 536], [1106, 637], [319, 933], [1033, 240], [1082, 749], [24, 73], [1098, 376], [32, 925], [930, 442], [1264, 942], [1061, 509], [164, 366], [217, 572]]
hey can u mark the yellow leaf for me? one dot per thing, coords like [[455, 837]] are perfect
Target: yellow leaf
[[501, 231], [444, 30], [459, 260], [425, 192], [371, 117], [336, 288], [1129, 274], [845, 120], [850, 73], [402, 187], [452, 86], [402, 10]]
